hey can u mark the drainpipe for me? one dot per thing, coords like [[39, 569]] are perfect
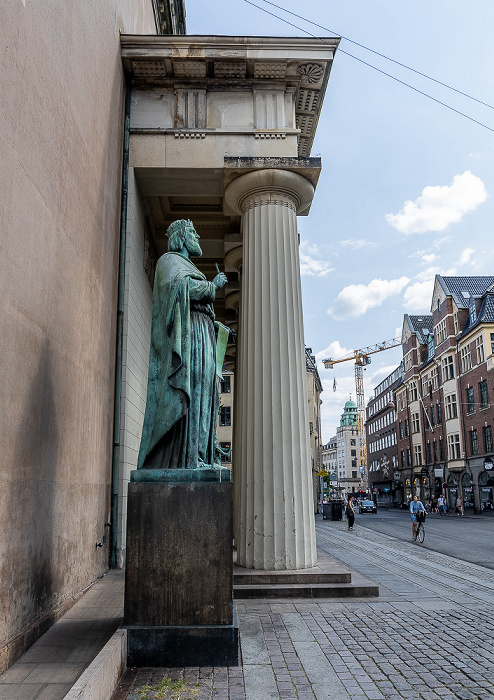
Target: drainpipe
[[119, 348]]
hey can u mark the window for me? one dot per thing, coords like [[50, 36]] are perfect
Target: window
[[225, 447], [407, 428], [442, 456], [413, 391], [439, 414], [415, 422], [435, 379], [465, 359], [431, 351], [403, 459], [225, 415], [429, 453], [401, 430], [479, 347], [451, 407], [433, 416], [407, 364], [354, 463], [441, 331], [484, 394], [454, 446], [354, 475], [470, 400], [417, 454], [353, 442], [435, 451], [474, 442], [438, 306], [455, 322], [492, 343], [487, 430], [448, 368], [353, 453], [225, 383], [409, 457]]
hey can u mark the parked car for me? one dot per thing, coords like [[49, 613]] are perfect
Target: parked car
[[367, 507]]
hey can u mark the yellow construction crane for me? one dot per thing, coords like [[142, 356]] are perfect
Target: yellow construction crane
[[362, 359]]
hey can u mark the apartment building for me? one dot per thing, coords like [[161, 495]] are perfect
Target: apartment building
[[381, 432]]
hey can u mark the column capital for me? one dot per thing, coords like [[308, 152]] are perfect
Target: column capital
[[269, 186]]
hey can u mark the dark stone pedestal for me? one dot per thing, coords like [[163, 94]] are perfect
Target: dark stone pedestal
[[179, 608]]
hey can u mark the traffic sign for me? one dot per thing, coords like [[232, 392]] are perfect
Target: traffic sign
[[361, 469]]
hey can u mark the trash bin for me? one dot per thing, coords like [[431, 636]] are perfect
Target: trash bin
[[327, 511], [336, 510]]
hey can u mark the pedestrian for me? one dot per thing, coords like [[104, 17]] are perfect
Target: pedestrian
[[433, 504], [442, 505], [350, 512], [460, 510], [415, 506]]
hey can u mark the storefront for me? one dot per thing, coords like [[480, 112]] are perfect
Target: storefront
[[408, 491], [452, 492], [416, 486], [486, 489], [467, 491]]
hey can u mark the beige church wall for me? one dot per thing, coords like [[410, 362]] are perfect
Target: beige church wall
[[138, 303], [61, 120]]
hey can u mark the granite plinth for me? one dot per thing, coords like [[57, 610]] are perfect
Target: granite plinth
[[179, 579], [205, 474], [187, 645]]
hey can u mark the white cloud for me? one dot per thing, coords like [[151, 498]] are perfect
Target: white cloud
[[465, 256], [429, 258], [417, 296], [334, 350], [356, 299], [439, 206], [356, 243], [311, 264]]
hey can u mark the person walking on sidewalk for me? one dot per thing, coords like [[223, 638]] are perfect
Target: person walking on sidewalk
[[415, 506], [442, 506], [350, 512], [459, 506]]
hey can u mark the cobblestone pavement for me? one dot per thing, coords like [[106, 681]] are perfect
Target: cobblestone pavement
[[430, 634]]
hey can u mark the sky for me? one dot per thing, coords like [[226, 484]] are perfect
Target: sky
[[407, 186]]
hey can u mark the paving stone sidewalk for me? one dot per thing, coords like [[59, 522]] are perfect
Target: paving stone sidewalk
[[429, 636]]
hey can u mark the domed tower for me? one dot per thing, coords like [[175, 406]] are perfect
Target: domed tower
[[348, 449], [349, 415]]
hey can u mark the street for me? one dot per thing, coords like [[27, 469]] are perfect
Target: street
[[470, 538]]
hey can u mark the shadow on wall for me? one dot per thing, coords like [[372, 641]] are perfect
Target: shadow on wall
[[29, 567]]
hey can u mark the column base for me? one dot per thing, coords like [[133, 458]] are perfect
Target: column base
[[175, 646]]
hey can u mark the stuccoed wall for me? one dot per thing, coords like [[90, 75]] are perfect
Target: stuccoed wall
[[138, 306], [61, 117]]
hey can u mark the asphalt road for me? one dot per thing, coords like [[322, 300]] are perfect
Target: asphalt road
[[469, 538]]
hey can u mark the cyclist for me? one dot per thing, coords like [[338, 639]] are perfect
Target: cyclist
[[415, 506]]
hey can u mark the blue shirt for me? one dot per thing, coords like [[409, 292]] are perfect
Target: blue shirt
[[415, 507]]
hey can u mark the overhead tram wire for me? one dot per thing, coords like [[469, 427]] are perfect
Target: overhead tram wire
[[377, 53], [360, 60]]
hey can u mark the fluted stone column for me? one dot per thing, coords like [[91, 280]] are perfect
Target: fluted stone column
[[272, 472]]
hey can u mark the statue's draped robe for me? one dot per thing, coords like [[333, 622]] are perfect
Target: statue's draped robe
[[182, 400]]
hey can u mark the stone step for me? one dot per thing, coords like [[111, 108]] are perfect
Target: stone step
[[265, 578], [306, 590]]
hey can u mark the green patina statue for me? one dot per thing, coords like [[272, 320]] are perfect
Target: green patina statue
[[186, 355]]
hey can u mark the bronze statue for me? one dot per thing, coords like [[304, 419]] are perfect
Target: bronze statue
[[187, 352]]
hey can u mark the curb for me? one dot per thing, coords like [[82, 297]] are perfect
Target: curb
[[100, 680]]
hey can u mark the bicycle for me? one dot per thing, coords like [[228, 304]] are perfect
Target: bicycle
[[420, 531]]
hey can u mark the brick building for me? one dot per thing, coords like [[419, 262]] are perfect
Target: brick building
[[443, 411], [382, 454]]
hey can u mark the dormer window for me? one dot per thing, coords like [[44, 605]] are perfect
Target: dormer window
[[473, 312]]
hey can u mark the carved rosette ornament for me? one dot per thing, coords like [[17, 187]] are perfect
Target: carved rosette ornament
[[312, 72]]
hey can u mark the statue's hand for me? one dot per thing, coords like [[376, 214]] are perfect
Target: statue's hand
[[220, 280]]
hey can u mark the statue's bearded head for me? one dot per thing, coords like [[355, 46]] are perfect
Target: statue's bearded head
[[182, 234]]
